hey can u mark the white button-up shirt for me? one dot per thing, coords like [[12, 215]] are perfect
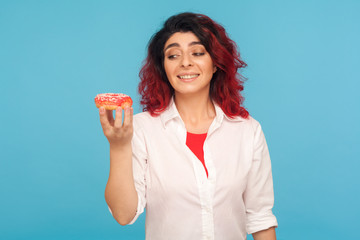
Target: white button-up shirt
[[181, 201]]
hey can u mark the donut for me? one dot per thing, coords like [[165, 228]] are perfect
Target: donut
[[110, 101]]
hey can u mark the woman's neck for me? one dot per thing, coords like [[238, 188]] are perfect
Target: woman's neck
[[196, 111]]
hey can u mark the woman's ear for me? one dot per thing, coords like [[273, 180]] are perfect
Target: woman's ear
[[215, 68]]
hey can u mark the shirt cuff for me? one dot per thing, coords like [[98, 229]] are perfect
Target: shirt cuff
[[139, 210], [260, 221]]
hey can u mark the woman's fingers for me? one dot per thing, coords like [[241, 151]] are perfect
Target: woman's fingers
[[128, 117], [116, 130], [104, 119], [109, 124]]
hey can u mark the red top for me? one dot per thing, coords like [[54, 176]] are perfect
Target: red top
[[196, 144]]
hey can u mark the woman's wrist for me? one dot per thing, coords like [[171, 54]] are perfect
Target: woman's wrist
[[119, 147]]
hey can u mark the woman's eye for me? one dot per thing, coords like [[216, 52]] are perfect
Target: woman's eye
[[172, 56], [198, 53]]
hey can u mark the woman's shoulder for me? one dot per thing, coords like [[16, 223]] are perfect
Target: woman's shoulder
[[255, 125], [145, 119], [249, 122], [142, 115]]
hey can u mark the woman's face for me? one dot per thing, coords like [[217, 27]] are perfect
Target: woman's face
[[188, 66]]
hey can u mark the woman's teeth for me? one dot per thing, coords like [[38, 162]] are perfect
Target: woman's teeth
[[188, 76]]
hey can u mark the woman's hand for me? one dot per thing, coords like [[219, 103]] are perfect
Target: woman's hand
[[118, 133]]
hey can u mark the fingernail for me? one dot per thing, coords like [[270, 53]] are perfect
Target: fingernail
[[102, 110]]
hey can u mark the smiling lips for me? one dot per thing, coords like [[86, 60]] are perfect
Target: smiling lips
[[187, 77]]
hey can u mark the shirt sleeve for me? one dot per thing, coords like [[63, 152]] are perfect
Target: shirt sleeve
[[259, 193]]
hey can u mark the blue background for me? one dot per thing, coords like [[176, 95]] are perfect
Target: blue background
[[303, 78]]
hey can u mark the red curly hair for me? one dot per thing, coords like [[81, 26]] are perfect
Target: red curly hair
[[226, 84]]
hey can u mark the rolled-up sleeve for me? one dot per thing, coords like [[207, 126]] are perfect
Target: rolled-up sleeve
[[259, 193]]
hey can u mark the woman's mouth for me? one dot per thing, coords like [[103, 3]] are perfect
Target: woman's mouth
[[188, 77]]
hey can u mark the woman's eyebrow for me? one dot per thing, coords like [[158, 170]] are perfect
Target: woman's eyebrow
[[172, 45], [177, 45], [195, 43]]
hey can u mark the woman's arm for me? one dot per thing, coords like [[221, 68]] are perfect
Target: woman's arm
[[268, 234], [120, 192]]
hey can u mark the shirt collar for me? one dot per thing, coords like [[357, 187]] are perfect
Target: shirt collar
[[171, 112], [220, 115]]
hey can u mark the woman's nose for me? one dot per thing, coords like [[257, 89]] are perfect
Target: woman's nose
[[186, 61]]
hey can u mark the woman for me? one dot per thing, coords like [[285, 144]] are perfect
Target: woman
[[195, 158]]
